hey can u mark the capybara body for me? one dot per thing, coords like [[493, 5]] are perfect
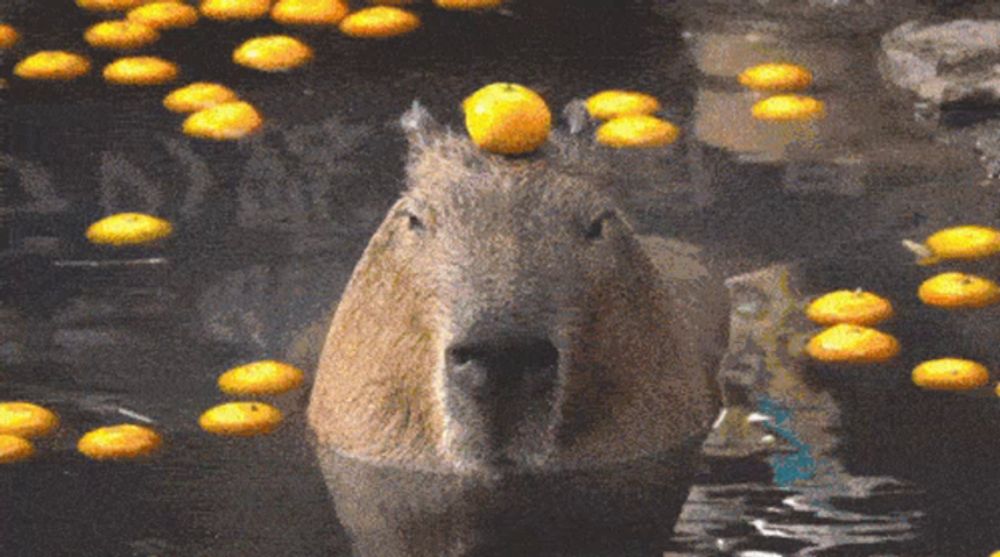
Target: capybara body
[[506, 322]]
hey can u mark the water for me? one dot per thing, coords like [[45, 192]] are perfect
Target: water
[[269, 228]]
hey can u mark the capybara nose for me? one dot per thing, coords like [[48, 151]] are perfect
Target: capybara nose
[[501, 362]]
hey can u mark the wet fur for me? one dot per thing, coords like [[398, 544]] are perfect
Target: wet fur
[[643, 342]]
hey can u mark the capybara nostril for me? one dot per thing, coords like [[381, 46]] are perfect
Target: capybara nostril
[[503, 360]]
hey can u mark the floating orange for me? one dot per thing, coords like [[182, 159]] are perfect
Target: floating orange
[[235, 9], [140, 70], [198, 96], [309, 12], [852, 344], [959, 290], [637, 131], [52, 65], [119, 442], [468, 4], [966, 242], [614, 103], [776, 77], [128, 229], [231, 120], [25, 419], [108, 5], [8, 36], [379, 22], [241, 419], [164, 15], [266, 377], [274, 53], [786, 108], [120, 35], [849, 306], [15, 449], [950, 374]]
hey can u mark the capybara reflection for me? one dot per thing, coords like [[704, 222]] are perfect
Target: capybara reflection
[[504, 318]]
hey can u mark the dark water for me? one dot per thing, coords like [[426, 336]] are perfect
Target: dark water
[[268, 229]]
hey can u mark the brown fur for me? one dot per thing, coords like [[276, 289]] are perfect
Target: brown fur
[[640, 326]]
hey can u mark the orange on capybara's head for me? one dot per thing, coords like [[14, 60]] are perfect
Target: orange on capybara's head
[[505, 316]]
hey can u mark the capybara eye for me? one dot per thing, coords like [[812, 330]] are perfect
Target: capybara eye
[[414, 222]]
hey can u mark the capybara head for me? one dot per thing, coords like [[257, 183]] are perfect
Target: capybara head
[[506, 316]]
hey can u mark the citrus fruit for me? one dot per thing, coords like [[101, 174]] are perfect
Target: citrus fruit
[[507, 118], [958, 290], [117, 442], [240, 419], [230, 120], [25, 419], [379, 22], [274, 53], [128, 229], [852, 344], [776, 77], [266, 377], [52, 65], [950, 374], [614, 103], [637, 131], [849, 306], [781, 108]]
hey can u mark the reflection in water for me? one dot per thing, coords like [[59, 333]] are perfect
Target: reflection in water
[[807, 459]]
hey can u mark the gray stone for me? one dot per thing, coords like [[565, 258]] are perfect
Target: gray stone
[[952, 62]]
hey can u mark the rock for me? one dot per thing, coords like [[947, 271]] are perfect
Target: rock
[[957, 62]]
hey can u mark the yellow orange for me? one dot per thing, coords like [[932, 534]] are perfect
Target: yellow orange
[[108, 5], [128, 229], [379, 22], [776, 77], [637, 131], [15, 449], [468, 4], [266, 377], [309, 12], [118, 442], [966, 242], [25, 419], [849, 306], [784, 108], [274, 53], [52, 65], [852, 344], [120, 35], [8, 36], [950, 374], [235, 9], [140, 70], [198, 96], [164, 15], [507, 118], [231, 120], [614, 103], [240, 419], [958, 290]]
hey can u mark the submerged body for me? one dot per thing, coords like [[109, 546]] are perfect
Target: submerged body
[[505, 323]]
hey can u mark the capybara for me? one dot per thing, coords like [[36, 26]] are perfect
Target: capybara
[[506, 323]]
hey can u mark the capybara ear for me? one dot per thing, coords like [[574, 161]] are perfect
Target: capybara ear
[[420, 127], [576, 117]]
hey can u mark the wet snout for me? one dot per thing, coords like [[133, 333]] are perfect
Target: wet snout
[[499, 392]]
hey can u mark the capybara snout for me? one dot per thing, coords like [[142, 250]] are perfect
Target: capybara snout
[[497, 364]]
